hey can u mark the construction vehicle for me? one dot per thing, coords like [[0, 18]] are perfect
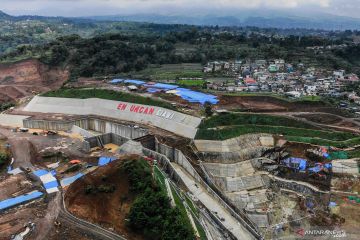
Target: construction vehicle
[[23, 130], [50, 132]]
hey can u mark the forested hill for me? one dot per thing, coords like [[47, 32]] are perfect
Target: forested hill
[[16, 31], [109, 54]]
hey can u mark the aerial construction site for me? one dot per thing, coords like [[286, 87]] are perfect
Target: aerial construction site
[[179, 120], [79, 163]]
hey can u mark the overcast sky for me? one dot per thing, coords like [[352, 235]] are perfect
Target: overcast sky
[[109, 7]]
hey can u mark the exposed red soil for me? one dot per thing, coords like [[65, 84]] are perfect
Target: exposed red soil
[[349, 211], [297, 149], [19, 185], [14, 220], [27, 77], [107, 209]]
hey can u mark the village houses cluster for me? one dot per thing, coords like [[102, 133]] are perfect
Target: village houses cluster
[[277, 76]]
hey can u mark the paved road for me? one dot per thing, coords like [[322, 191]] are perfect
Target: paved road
[[88, 227]]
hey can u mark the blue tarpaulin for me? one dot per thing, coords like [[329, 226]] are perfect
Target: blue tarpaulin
[[105, 160], [328, 165], [297, 163], [153, 90], [196, 97], [319, 167], [40, 172], [315, 169], [53, 172], [20, 199], [67, 181], [51, 184], [184, 93], [115, 81], [162, 86], [310, 204], [133, 81]]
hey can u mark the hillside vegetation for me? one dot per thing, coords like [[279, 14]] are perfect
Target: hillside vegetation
[[233, 125], [112, 53], [107, 94], [151, 213], [255, 119]]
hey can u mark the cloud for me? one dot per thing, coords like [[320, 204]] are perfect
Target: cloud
[[103, 7]]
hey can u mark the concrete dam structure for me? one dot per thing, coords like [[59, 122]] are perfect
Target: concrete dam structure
[[230, 165], [245, 147], [172, 121]]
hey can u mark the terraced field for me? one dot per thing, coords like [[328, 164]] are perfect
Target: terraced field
[[232, 125]]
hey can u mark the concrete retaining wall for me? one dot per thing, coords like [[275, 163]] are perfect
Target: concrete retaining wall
[[169, 152], [235, 144], [241, 199], [236, 184], [172, 121], [81, 131], [56, 125], [177, 156], [106, 138], [230, 170], [87, 123], [233, 157], [299, 187]]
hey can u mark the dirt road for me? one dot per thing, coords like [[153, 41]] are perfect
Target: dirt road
[[45, 225], [86, 226], [294, 115]]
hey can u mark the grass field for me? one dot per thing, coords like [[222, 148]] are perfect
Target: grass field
[[171, 71], [258, 119], [190, 83], [107, 94]]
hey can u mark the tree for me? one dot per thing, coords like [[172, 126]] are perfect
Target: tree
[[208, 109], [3, 159]]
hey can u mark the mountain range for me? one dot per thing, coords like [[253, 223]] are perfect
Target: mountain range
[[262, 19]]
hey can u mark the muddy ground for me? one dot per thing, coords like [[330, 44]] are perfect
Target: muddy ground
[[69, 231], [13, 220], [19, 185], [106, 209], [299, 150], [28, 77], [350, 212], [25, 149]]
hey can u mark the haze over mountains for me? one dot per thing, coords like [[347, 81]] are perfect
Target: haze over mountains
[[264, 19], [256, 18]]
